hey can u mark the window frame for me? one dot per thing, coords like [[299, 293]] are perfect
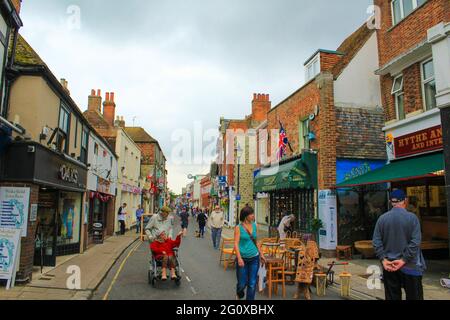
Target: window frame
[[84, 145], [396, 94], [310, 66], [63, 133], [304, 143], [424, 82], [402, 10]]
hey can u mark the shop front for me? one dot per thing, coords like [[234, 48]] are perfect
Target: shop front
[[62, 183], [417, 167], [101, 217], [291, 188]]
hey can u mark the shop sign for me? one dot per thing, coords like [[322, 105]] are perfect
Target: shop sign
[[103, 186], [14, 205], [419, 142], [9, 245], [347, 169], [327, 213], [98, 233], [68, 174]]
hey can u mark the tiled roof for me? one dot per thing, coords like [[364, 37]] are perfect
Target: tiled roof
[[25, 54], [351, 46], [139, 134]]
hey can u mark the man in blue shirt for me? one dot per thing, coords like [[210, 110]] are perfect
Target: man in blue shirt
[[139, 213], [397, 240]]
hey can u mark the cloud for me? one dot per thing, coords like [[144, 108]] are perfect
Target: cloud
[[175, 62]]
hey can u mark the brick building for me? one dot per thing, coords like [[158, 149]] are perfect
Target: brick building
[[153, 168], [414, 64], [333, 123], [237, 154], [205, 193]]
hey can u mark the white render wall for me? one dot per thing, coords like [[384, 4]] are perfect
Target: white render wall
[[101, 165], [358, 86]]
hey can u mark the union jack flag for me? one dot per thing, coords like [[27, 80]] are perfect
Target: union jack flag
[[282, 143]]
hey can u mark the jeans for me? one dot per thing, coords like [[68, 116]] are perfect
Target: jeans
[[246, 277], [202, 230], [122, 227], [395, 281], [138, 226], [216, 236]]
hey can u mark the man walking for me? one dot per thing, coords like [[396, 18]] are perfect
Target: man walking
[[216, 223], [397, 240], [139, 214], [122, 217]]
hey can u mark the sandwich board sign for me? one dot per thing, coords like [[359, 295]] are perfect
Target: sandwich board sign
[[14, 205], [9, 251]]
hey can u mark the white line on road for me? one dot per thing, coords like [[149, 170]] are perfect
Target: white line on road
[[193, 291], [187, 278], [182, 270]]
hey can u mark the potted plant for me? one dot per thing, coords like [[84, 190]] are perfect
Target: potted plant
[[316, 225]]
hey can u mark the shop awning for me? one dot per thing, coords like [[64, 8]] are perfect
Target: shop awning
[[401, 170], [297, 174]]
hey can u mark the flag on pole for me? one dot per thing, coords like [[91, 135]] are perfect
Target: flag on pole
[[282, 143]]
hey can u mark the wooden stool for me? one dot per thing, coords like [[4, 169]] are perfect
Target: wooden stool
[[275, 275], [345, 250]]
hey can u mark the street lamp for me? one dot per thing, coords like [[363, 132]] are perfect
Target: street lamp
[[239, 155]]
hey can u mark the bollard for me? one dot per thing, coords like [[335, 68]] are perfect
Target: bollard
[[345, 284], [321, 283]]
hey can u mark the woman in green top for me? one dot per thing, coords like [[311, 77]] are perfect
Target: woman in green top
[[248, 253]]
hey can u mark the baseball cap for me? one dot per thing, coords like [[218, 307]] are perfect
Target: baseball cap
[[398, 195]]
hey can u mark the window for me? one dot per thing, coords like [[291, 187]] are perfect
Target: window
[[63, 132], [84, 145], [96, 149], [304, 135], [397, 92], [4, 31], [76, 134], [428, 85], [403, 8], [312, 68]]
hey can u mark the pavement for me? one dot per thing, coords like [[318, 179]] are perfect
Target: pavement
[[202, 276], [93, 265]]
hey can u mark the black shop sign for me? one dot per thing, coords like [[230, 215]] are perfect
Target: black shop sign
[[98, 233]]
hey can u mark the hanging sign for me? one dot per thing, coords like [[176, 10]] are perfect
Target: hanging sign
[[327, 213], [419, 142], [14, 205]]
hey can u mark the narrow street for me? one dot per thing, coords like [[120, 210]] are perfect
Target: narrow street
[[203, 278]]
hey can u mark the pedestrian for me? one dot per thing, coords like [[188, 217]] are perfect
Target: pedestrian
[[139, 214], [286, 225], [201, 219], [397, 240], [184, 221], [121, 214], [216, 222], [163, 250], [249, 255], [160, 222]]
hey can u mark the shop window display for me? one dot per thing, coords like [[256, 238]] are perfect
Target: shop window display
[[69, 219]]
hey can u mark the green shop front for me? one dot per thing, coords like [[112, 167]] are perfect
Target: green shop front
[[288, 187]]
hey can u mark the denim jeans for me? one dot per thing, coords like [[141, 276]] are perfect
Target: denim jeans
[[202, 230], [138, 226], [247, 277], [216, 236]]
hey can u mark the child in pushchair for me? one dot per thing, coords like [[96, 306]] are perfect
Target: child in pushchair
[[165, 255]]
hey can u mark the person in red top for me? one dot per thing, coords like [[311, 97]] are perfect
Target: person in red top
[[162, 249]]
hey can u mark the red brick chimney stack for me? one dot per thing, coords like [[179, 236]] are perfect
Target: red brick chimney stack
[[95, 101], [109, 108], [261, 105]]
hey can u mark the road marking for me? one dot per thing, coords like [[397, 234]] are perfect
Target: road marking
[[105, 297], [193, 291], [187, 278], [182, 270]]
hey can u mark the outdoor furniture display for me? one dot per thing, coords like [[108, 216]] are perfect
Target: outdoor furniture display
[[345, 250], [330, 272], [345, 284], [275, 268], [227, 253], [365, 248], [291, 261], [321, 284]]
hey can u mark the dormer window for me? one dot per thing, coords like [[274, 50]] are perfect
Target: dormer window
[[312, 68]]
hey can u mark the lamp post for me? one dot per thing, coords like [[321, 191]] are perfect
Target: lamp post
[[239, 155]]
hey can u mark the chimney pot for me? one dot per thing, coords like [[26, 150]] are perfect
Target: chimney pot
[[99, 92], [112, 96], [254, 96], [107, 97], [92, 92]]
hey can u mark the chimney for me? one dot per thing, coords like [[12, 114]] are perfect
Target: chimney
[[95, 101], [65, 85], [109, 108], [261, 105]]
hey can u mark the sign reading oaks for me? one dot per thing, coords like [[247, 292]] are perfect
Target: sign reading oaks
[[419, 142], [68, 174]]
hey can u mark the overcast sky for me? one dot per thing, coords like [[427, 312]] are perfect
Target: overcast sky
[[172, 63]]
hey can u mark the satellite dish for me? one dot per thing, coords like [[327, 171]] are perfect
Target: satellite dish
[[190, 176]]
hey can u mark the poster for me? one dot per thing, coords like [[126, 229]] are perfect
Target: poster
[[327, 213], [9, 244], [33, 212], [14, 204]]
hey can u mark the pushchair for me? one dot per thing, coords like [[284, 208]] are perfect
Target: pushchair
[[155, 271]]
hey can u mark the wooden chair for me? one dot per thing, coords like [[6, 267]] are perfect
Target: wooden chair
[[275, 268], [345, 250], [227, 253], [305, 274]]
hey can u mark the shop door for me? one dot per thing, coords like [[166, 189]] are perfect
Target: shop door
[[46, 233]]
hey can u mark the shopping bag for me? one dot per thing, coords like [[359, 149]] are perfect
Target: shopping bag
[[262, 278]]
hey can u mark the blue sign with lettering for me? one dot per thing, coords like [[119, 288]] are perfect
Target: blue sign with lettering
[[347, 169], [238, 197], [222, 180]]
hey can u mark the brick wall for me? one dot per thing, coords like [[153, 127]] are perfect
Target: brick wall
[[395, 40], [27, 245], [328, 61], [412, 86], [260, 106], [360, 133]]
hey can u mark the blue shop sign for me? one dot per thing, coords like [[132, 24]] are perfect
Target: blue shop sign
[[347, 169]]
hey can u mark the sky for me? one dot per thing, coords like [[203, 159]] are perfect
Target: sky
[[177, 66]]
